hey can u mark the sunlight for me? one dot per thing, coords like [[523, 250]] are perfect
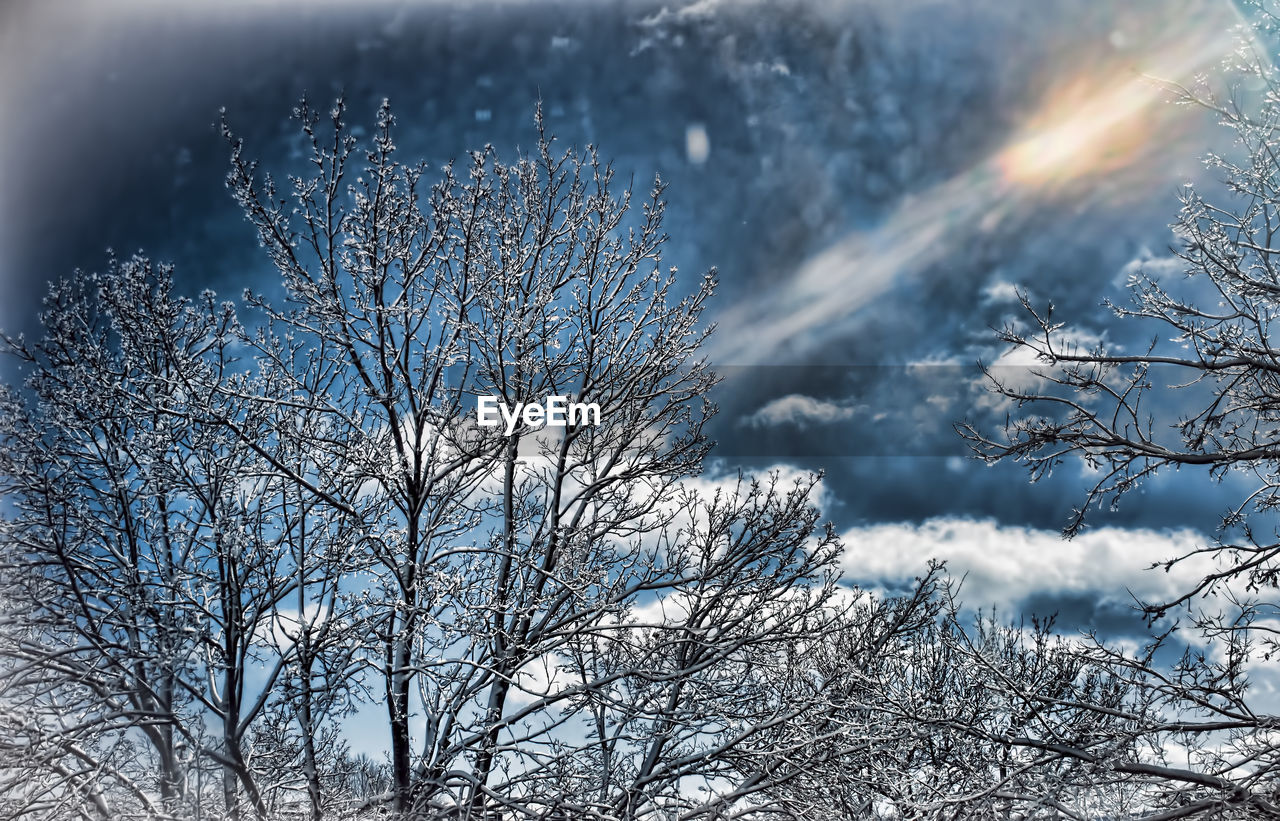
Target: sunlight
[[1082, 131], [1108, 117]]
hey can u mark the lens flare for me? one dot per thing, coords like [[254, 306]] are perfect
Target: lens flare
[[1082, 131], [1108, 117]]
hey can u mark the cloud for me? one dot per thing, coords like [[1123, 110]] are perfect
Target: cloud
[[1000, 291], [800, 410], [1006, 566], [1146, 263]]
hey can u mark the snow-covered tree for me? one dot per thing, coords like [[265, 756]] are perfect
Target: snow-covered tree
[[1200, 396], [231, 537], [143, 544]]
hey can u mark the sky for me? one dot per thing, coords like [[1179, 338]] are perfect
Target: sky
[[874, 180]]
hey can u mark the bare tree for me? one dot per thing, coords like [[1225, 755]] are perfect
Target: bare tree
[[381, 330], [1202, 394], [554, 606], [920, 710], [147, 553], [101, 514]]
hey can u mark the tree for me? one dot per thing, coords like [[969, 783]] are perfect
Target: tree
[[144, 546], [1201, 394], [558, 613], [929, 712], [222, 538]]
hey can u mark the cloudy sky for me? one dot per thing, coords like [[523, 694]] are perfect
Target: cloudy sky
[[874, 180]]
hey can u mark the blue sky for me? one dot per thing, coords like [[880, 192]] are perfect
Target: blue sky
[[873, 181]]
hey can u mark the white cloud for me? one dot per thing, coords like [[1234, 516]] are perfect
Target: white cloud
[[1150, 265], [282, 629], [543, 677], [797, 409], [1004, 565], [1000, 291]]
